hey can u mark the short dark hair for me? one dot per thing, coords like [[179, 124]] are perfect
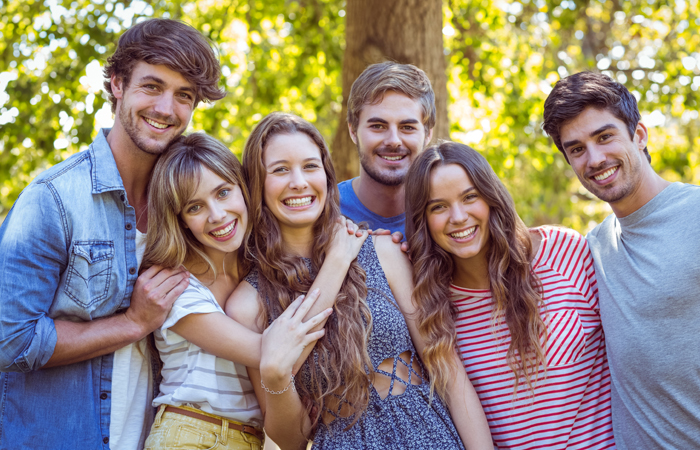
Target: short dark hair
[[377, 79], [173, 44], [573, 94]]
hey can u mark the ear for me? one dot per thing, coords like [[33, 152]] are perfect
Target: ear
[[353, 135], [428, 137], [642, 135], [117, 86]]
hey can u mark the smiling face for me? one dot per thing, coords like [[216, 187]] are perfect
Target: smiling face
[[216, 214], [155, 107], [295, 182], [457, 215], [389, 136], [609, 163]]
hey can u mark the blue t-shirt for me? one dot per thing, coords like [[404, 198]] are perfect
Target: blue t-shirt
[[351, 207]]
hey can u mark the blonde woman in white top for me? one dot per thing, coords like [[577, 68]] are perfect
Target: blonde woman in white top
[[198, 211]]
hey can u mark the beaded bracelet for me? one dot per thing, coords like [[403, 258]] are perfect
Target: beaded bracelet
[[270, 391]]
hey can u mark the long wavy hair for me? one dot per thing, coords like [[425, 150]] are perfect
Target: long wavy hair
[[516, 290], [175, 180], [340, 365]]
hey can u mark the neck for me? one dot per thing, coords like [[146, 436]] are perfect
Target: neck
[[135, 167], [298, 241], [226, 265], [386, 201], [472, 273], [648, 187]]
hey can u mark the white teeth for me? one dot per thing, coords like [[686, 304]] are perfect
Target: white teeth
[[160, 126], [303, 201], [605, 174], [225, 231], [463, 234], [392, 158]]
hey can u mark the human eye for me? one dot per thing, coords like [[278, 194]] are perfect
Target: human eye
[[575, 150], [437, 207], [185, 96], [280, 169], [223, 192], [193, 209], [408, 128], [376, 126], [311, 166], [604, 137]]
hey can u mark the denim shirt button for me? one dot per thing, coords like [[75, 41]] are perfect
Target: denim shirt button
[[132, 271], [128, 226], [103, 396], [105, 440]]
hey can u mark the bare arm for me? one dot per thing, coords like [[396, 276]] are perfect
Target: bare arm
[[154, 293], [463, 402]]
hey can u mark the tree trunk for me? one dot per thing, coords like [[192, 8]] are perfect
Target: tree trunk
[[405, 31]]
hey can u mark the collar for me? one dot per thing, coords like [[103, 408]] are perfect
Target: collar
[[104, 173]]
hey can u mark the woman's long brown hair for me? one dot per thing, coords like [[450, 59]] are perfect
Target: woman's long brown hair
[[340, 365], [514, 286]]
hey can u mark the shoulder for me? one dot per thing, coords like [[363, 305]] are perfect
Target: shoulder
[[243, 306], [602, 229], [394, 262], [560, 246]]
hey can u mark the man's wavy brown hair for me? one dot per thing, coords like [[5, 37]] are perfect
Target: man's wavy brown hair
[[170, 43], [515, 289], [339, 365]]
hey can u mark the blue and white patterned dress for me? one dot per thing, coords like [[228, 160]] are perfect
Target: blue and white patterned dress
[[405, 421]]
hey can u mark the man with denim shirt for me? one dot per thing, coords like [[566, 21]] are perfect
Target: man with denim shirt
[[71, 302]]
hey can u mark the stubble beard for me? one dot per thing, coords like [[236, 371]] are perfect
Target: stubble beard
[[128, 122], [388, 177], [622, 188]]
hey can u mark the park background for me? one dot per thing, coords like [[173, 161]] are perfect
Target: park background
[[492, 64]]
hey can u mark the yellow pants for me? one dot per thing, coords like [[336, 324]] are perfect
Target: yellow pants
[[172, 431]]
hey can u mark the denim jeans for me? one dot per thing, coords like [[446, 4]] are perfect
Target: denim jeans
[[171, 431]]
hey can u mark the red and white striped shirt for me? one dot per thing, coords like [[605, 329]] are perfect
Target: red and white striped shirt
[[570, 408]]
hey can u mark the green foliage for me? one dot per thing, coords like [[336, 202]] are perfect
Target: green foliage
[[503, 59]]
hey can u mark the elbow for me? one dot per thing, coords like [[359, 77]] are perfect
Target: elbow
[[27, 349]]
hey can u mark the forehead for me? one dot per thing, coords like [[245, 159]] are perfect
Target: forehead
[[290, 147], [590, 120], [143, 70], [448, 179], [393, 105]]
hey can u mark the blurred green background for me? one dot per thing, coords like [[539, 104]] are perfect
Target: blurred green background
[[502, 58]]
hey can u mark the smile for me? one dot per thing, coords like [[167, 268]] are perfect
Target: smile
[[392, 158], [296, 202], [226, 231], [153, 123], [607, 174], [464, 234]]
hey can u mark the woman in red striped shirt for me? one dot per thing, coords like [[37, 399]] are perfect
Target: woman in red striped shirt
[[520, 304]]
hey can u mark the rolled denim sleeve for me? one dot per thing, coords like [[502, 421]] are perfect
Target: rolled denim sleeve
[[33, 255]]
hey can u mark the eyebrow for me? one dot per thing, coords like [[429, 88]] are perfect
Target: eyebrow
[[155, 79], [280, 161], [605, 127], [380, 120], [437, 200]]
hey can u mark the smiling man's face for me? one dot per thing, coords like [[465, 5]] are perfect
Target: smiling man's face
[[155, 107], [608, 162], [390, 134]]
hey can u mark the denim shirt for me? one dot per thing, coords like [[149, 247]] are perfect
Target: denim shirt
[[67, 251]]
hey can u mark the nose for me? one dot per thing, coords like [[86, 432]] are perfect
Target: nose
[[392, 138], [164, 105], [216, 213], [298, 179], [596, 157], [458, 215]]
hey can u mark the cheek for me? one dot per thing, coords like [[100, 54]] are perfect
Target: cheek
[[435, 227]]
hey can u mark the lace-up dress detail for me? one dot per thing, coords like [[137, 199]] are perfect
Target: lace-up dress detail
[[405, 418]]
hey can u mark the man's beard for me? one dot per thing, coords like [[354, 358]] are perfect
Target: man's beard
[[386, 177], [126, 119]]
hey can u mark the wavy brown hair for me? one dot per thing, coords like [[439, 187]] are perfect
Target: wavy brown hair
[[516, 290], [340, 365], [175, 180]]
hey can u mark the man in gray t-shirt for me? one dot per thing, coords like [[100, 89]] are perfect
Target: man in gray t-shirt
[[646, 263]]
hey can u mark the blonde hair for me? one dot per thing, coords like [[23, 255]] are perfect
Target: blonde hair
[[175, 180], [378, 79], [340, 363]]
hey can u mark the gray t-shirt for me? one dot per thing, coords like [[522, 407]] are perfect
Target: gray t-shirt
[[648, 273]]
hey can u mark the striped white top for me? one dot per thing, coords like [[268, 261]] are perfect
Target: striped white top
[[571, 404], [198, 379]]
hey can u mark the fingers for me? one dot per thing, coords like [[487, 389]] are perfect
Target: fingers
[[313, 337], [292, 308], [317, 319], [404, 247], [397, 237], [379, 232], [307, 303]]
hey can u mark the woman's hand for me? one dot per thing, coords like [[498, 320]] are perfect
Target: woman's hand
[[285, 339], [347, 241]]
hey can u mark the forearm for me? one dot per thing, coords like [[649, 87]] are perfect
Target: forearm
[[467, 413], [80, 341]]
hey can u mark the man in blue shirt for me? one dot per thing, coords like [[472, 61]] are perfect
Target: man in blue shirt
[[391, 115], [71, 299]]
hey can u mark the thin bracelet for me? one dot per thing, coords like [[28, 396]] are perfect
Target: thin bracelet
[[270, 391]]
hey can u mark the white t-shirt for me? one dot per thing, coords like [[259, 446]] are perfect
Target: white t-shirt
[[132, 388], [198, 379]]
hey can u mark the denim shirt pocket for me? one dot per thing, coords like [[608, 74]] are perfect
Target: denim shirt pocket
[[89, 272]]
